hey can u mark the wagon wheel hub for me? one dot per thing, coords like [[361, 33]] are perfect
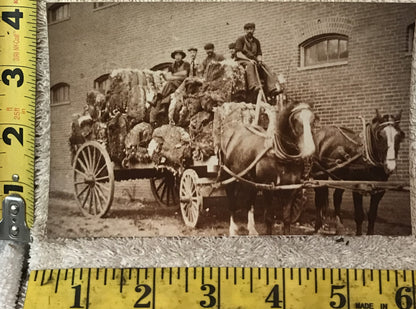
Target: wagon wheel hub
[[90, 180]]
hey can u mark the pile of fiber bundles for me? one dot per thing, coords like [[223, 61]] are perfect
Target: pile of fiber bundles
[[130, 90], [171, 145], [228, 116], [119, 119], [224, 82], [136, 143]]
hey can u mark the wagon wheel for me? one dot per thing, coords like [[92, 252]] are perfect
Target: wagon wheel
[[93, 179], [165, 189], [190, 198]]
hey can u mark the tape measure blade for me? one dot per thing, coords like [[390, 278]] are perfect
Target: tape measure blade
[[17, 101], [211, 287]]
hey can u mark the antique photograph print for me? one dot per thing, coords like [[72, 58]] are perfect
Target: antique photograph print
[[212, 119]]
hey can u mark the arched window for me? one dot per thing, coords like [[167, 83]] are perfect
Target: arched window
[[101, 5], [58, 12], [60, 94], [323, 50], [410, 36], [101, 83]]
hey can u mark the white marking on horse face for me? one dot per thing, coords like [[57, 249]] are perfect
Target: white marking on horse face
[[306, 145], [391, 134]]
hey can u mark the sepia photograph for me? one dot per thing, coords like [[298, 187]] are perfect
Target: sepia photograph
[[229, 118]]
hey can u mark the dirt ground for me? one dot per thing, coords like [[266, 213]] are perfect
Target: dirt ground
[[139, 218]]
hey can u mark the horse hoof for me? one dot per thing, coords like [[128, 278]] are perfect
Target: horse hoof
[[253, 232], [233, 232], [339, 227]]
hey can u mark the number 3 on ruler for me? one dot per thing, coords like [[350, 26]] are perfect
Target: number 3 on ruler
[[12, 74]]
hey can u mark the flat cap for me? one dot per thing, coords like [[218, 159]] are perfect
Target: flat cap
[[209, 46], [231, 46], [193, 48], [250, 26]]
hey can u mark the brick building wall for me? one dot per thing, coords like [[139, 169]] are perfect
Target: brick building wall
[[139, 35]]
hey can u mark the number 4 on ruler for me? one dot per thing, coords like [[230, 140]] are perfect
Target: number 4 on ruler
[[8, 16]]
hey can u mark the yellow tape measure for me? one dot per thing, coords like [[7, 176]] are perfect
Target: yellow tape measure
[[210, 287], [17, 116]]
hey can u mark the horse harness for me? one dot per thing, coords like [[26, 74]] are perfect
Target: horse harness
[[368, 147], [272, 143]]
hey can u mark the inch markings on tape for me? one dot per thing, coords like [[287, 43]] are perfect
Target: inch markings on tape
[[17, 116], [212, 287]]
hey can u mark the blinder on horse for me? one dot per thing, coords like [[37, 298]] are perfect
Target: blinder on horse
[[375, 145], [279, 140]]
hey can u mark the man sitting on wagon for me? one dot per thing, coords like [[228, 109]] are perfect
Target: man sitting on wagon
[[231, 49], [179, 70], [248, 52], [211, 56]]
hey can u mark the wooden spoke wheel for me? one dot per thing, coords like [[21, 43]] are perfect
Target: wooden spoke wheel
[[190, 198], [93, 179], [165, 189]]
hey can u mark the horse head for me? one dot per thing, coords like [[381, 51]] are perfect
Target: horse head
[[295, 124], [387, 138]]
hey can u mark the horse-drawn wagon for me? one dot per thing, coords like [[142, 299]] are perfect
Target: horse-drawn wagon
[[208, 144]]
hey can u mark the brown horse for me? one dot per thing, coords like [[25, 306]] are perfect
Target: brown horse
[[348, 156], [275, 157]]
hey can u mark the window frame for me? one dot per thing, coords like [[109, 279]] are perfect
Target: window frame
[[316, 40], [56, 87], [55, 6], [106, 5], [409, 44]]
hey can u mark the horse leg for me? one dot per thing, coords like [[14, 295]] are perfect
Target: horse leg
[[287, 198], [358, 212], [230, 191], [372, 214], [268, 211], [337, 205], [321, 205], [251, 225]]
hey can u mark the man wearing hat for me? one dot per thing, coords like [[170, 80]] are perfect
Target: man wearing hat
[[231, 49], [179, 70], [249, 52], [211, 56]]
